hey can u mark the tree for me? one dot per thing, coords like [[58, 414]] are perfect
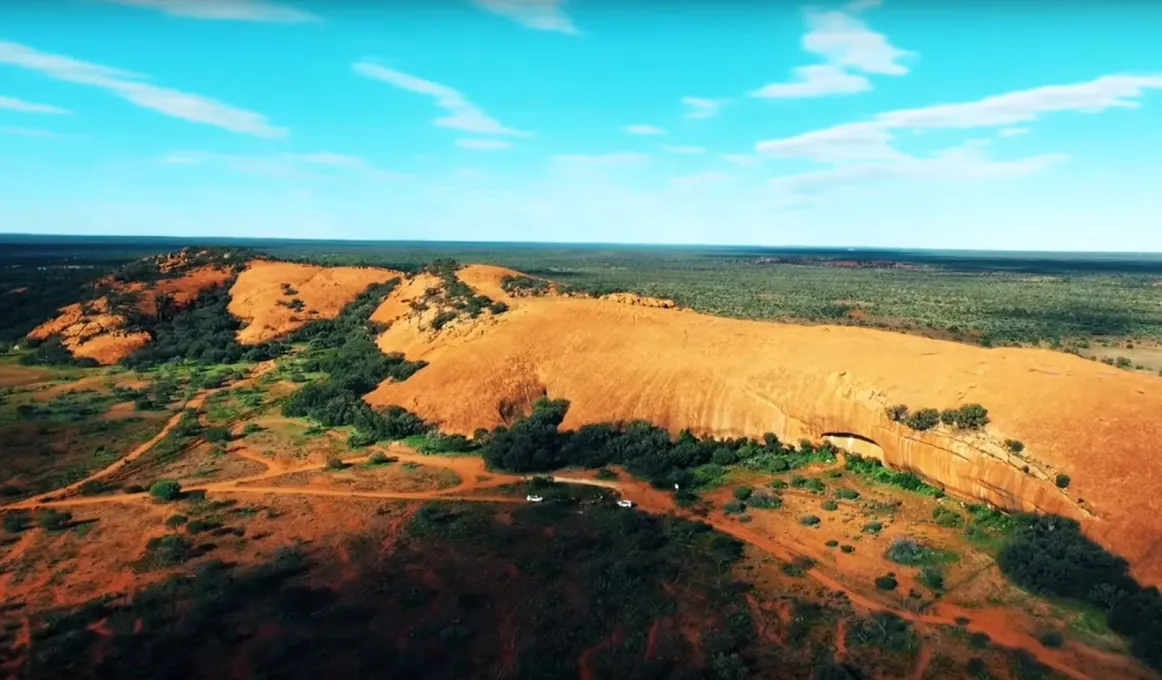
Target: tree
[[971, 417], [166, 490], [1014, 446], [924, 419], [742, 493], [54, 520], [14, 522], [897, 412], [1062, 481]]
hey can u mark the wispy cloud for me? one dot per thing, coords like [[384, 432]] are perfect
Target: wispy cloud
[[682, 149], [643, 130], [702, 179], [873, 139], [133, 88], [963, 163], [815, 81], [601, 160], [13, 104], [744, 160], [225, 10], [27, 132], [462, 113], [541, 15], [1026, 106], [475, 144], [846, 44], [857, 6], [700, 107], [289, 165], [1013, 131]]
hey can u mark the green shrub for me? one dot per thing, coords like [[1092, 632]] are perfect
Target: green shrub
[[15, 521], [897, 412], [947, 517], [847, 494], [1051, 639], [216, 435], [924, 419], [607, 474], [932, 577], [778, 484], [166, 490], [971, 417], [765, 501], [1062, 481], [743, 492], [873, 527], [54, 520], [377, 458], [831, 543], [335, 464], [1014, 446], [175, 521], [887, 582], [847, 548], [830, 505], [734, 508], [94, 487], [809, 520]]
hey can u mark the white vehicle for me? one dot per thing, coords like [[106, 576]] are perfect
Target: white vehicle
[[533, 498], [624, 503]]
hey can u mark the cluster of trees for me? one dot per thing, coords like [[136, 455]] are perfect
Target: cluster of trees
[[344, 348], [535, 444], [52, 352], [874, 470], [204, 332], [459, 295], [1049, 555], [524, 285], [966, 417]]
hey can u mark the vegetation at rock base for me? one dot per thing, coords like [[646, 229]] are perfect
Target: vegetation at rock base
[[1049, 555]]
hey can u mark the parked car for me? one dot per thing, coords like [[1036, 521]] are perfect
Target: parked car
[[625, 503], [533, 498]]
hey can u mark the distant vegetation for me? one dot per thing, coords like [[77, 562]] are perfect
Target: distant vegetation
[[966, 417], [524, 285]]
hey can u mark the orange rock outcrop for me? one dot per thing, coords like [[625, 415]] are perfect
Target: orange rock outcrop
[[262, 294], [721, 376]]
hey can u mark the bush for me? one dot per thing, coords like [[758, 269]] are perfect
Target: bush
[[607, 474], [175, 521], [377, 458], [94, 487], [971, 417], [15, 522], [1062, 481], [742, 493], [924, 419], [1014, 446], [897, 412], [847, 548], [1051, 639], [847, 494], [765, 501], [831, 543], [947, 517], [734, 508], [830, 505], [166, 490], [932, 577], [909, 551], [335, 464], [216, 435], [809, 520], [886, 583], [873, 527], [54, 520]]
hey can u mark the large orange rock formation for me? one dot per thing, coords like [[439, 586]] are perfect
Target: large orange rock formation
[[264, 290], [95, 331], [680, 369]]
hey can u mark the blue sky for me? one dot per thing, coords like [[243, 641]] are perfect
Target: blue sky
[[1020, 125]]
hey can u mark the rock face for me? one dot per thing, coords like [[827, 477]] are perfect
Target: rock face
[[265, 295], [734, 377]]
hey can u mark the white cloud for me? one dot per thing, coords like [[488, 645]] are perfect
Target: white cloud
[[845, 41], [225, 10], [744, 160], [700, 107], [13, 104], [133, 88], [849, 141], [27, 132], [541, 15], [643, 130], [1025, 106], [817, 80], [962, 163], [846, 44], [861, 5], [682, 149], [702, 179], [281, 165], [1013, 131], [462, 113], [483, 144], [601, 160]]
